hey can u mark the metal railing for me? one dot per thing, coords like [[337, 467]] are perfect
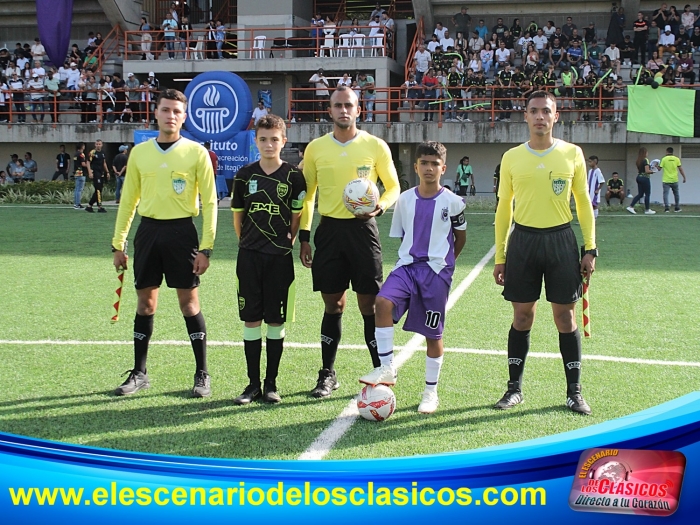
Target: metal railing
[[256, 43], [491, 104], [71, 107], [111, 44], [418, 39]]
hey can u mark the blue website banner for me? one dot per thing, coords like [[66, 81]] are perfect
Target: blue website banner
[[523, 483]]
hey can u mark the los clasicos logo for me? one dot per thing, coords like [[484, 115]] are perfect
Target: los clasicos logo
[[620, 481]]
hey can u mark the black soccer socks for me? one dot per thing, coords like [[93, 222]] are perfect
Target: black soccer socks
[[143, 329], [570, 348], [518, 347], [371, 340], [197, 330], [331, 329]]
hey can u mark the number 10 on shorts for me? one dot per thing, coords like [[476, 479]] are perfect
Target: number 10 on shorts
[[432, 319]]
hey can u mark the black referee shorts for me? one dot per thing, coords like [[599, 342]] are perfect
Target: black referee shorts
[[534, 253], [265, 286], [165, 248], [347, 251]]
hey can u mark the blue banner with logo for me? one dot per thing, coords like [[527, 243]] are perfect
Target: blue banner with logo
[[529, 482]]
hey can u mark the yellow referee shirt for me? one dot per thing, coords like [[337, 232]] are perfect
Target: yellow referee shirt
[[167, 185], [329, 165], [541, 182]]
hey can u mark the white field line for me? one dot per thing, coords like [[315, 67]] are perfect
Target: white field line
[[315, 346], [332, 434]]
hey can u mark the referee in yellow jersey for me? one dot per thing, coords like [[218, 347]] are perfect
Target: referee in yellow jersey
[[541, 175], [347, 246], [166, 177]]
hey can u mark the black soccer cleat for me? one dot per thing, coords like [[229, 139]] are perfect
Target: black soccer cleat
[[575, 401], [89, 209], [270, 394], [202, 384], [100, 209], [327, 382], [250, 394], [136, 381], [512, 397]]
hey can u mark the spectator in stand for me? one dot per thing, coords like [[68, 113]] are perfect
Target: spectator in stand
[[503, 57], [516, 30], [613, 53], [345, 81], [557, 54], [259, 112], [413, 93], [674, 20], [589, 33], [522, 44], [378, 10], [220, 39], [461, 21], [499, 27], [38, 50], [683, 41], [532, 60], [641, 36], [439, 30], [146, 39], [119, 91], [563, 39], [422, 59], [574, 55], [430, 85], [374, 31], [4, 99], [616, 27], [388, 27], [667, 42], [38, 70], [146, 112], [188, 39], [549, 29], [660, 15], [17, 88], [322, 94], [694, 40], [134, 97], [541, 42], [619, 103], [476, 43], [688, 19], [686, 66], [568, 28], [482, 30], [655, 62], [174, 13], [17, 170], [627, 50], [4, 179], [447, 41], [210, 37], [27, 72], [366, 84], [30, 167], [91, 45], [36, 98], [169, 26], [433, 44], [73, 77], [11, 68], [62, 164], [486, 56], [53, 95]]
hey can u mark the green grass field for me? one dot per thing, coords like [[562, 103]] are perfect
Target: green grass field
[[61, 358]]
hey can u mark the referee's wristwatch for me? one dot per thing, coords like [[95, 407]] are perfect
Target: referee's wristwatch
[[593, 252], [206, 253], [115, 250]]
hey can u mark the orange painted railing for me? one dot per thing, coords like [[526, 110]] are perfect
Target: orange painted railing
[[111, 44], [418, 39]]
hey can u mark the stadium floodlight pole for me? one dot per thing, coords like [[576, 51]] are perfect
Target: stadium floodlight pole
[[118, 291]]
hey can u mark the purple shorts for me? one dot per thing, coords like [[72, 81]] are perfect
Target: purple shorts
[[416, 288]]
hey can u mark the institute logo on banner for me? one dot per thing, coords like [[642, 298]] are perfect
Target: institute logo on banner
[[219, 106], [620, 481]]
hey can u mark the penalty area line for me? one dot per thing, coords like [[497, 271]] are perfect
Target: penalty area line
[[323, 444]]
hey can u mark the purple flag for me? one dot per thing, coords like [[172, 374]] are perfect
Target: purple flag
[[55, 18]]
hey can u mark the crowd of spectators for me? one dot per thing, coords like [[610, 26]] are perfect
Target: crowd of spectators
[[455, 65], [32, 91]]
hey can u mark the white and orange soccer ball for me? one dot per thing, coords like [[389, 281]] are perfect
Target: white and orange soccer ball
[[361, 196], [376, 403]]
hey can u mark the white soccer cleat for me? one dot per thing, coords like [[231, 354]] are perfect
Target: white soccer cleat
[[649, 212], [382, 375], [631, 210], [429, 403]]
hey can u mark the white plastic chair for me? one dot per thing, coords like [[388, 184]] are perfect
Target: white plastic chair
[[259, 47], [358, 42], [328, 43], [198, 51], [345, 43], [377, 43]]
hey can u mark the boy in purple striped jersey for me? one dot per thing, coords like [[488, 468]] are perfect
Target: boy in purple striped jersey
[[430, 221]]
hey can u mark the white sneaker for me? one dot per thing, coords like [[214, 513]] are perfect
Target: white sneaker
[[382, 375], [631, 210], [649, 212], [429, 403]]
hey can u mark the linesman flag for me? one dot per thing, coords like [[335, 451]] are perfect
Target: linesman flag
[[657, 111]]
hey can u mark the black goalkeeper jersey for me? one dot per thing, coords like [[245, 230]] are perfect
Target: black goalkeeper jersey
[[268, 202]]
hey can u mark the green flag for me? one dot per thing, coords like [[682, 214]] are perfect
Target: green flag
[[664, 111]]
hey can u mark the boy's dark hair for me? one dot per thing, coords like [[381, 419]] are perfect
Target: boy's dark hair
[[593, 157], [172, 94], [669, 150], [541, 94], [432, 148], [271, 122], [615, 173]]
